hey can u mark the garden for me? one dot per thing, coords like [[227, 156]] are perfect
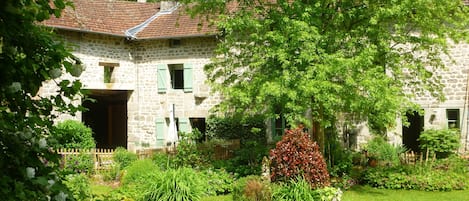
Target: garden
[[291, 169]]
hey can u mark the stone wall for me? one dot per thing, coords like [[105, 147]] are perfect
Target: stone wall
[[455, 79], [137, 73]]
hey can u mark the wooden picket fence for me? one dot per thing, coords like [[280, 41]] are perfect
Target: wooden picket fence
[[413, 158], [102, 158]]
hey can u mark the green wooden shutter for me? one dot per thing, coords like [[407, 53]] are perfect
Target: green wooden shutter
[[160, 128], [184, 125], [272, 127], [162, 78], [187, 77]]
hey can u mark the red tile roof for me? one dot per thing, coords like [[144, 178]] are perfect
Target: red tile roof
[[115, 17]]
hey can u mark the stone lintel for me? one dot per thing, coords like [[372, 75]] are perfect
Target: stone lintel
[[108, 64]]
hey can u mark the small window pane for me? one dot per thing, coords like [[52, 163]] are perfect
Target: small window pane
[[177, 76]]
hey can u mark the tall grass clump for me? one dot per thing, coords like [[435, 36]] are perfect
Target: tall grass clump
[[183, 184]]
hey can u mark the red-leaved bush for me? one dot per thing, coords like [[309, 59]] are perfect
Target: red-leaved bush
[[297, 156]]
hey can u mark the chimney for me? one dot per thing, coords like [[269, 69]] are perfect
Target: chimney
[[166, 5]]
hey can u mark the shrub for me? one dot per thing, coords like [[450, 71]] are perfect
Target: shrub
[[113, 173], [188, 155], [123, 157], [243, 128], [251, 188], [297, 156], [140, 172], [247, 160], [218, 181], [443, 175], [339, 160], [79, 185], [73, 134], [163, 161], [176, 185], [384, 152], [441, 142], [81, 163], [327, 194]]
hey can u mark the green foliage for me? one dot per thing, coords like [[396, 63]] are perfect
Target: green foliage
[[300, 189], [31, 55], [188, 154], [140, 172], [163, 161], [247, 160], [297, 156], [444, 175], [112, 174], [218, 181], [339, 160], [81, 163], [79, 185], [176, 185], [327, 194], [123, 157], [441, 142], [330, 57], [251, 188], [73, 134], [384, 152], [245, 128], [295, 189]]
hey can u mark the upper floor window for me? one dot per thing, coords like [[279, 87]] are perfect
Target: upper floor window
[[176, 72], [174, 76], [452, 115]]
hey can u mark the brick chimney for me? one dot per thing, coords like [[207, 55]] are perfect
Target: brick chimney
[[166, 5]]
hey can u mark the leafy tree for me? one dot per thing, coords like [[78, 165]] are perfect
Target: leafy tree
[[29, 55], [363, 59]]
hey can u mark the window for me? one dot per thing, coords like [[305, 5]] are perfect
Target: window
[[452, 115], [108, 70], [176, 72], [278, 126], [174, 76], [199, 124]]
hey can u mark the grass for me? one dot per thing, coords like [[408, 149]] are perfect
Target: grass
[[218, 198], [368, 193]]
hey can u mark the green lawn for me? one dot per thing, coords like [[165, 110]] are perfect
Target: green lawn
[[366, 193], [361, 193]]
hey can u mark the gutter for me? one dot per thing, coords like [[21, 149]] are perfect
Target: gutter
[[132, 32]]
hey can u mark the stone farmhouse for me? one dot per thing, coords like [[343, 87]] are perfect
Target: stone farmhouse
[[140, 59], [143, 58]]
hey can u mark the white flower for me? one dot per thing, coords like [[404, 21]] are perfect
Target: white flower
[[42, 143], [30, 172], [15, 87], [61, 196], [50, 182]]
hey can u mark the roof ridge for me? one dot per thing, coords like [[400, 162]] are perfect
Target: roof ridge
[[132, 32]]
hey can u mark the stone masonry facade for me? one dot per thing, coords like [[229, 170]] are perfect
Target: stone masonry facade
[[455, 79], [137, 74]]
